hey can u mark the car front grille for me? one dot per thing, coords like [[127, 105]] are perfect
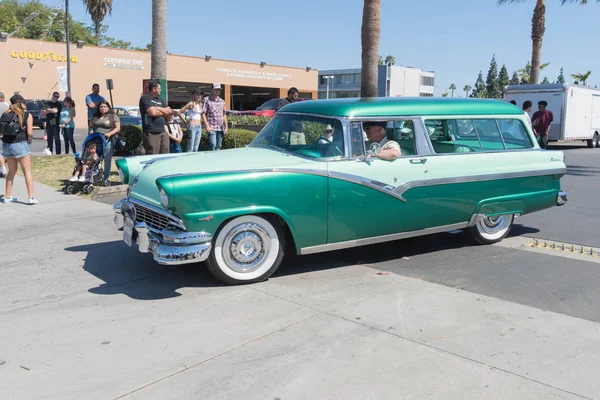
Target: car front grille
[[154, 219]]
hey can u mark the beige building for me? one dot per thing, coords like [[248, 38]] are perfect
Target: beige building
[[35, 69]]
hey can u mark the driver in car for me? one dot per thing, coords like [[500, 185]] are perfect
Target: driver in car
[[390, 150]]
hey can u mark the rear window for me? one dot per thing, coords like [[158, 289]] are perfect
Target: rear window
[[33, 105], [476, 135]]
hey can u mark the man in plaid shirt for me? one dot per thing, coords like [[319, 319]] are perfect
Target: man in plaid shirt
[[214, 117]]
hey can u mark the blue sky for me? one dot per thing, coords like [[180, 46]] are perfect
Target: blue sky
[[456, 39]]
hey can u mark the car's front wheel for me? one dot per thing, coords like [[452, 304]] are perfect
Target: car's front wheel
[[491, 229], [247, 249]]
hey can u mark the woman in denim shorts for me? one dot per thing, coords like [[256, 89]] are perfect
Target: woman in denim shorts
[[16, 150]]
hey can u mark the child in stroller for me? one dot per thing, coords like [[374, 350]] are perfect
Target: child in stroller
[[88, 169], [86, 162]]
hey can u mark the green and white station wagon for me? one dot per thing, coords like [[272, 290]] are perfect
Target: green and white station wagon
[[311, 182]]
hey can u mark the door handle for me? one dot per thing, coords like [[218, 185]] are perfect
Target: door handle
[[418, 160]]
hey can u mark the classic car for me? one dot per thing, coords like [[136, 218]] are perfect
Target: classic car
[[464, 164], [267, 109], [128, 115]]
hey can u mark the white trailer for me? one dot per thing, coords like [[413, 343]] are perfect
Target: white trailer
[[576, 109]]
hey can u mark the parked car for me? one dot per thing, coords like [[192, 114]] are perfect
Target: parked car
[[465, 164], [34, 107], [267, 109], [128, 115]]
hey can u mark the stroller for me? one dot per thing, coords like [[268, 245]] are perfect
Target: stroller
[[94, 174]]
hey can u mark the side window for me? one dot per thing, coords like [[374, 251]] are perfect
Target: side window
[[514, 134], [488, 133], [358, 138], [402, 132]]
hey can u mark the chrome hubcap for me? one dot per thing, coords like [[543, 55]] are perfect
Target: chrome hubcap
[[494, 225], [245, 247]]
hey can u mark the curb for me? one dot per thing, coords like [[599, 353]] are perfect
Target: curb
[[109, 191]]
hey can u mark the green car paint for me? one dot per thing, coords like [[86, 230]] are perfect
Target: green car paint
[[324, 201], [398, 107]]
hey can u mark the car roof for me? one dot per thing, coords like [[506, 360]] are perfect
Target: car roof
[[403, 106], [126, 107]]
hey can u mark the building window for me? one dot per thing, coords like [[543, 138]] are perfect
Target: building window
[[426, 94], [427, 80]]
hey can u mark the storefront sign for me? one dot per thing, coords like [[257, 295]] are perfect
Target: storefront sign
[[125, 63], [47, 56], [259, 75]]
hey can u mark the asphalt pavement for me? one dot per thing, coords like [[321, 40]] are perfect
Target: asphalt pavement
[[85, 316]]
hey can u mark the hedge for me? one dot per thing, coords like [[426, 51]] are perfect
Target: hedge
[[247, 120]]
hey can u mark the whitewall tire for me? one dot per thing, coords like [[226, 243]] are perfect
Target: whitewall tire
[[491, 229], [246, 249]]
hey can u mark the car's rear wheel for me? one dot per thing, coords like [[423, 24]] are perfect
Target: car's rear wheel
[[596, 140], [246, 249], [491, 229]]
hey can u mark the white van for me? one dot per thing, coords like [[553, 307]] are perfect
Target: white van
[[576, 109]]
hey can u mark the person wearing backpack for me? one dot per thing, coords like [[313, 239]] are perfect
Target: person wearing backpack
[[16, 128], [3, 107]]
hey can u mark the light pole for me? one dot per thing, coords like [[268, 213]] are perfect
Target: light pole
[[68, 47], [328, 77]]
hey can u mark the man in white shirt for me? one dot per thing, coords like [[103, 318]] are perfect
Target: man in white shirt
[[527, 109], [3, 107], [390, 149]]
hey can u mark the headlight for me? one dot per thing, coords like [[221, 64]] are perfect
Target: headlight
[[121, 176], [164, 199]]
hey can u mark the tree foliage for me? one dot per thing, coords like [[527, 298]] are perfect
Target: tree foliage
[[492, 86], [479, 91], [31, 19], [515, 80], [503, 79], [561, 76]]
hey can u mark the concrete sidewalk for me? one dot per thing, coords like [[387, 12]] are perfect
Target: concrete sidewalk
[[84, 316]]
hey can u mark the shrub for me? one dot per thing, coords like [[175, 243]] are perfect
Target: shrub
[[243, 137], [247, 120], [132, 134]]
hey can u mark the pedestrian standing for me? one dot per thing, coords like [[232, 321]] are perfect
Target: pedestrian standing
[[175, 134], [91, 101], [154, 110], [15, 148], [292, 97], [215, 119], [52, 111], [107, 123], [67, 124], [4, 106], [195, 122], [542, 122], [527, 109]]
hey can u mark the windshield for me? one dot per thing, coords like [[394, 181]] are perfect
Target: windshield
[[269, 105], [313, 137]]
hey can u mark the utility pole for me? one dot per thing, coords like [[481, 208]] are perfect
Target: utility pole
[[68, 47]]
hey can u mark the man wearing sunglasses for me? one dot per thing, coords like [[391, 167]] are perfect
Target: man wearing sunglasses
[[52, 111]]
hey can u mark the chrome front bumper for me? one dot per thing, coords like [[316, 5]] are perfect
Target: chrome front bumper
[[167, 247], [561, 199]]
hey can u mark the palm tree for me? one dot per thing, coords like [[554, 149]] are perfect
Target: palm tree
[[390, 60], [445, 94], [538, 28], [467, 89], [158, 69], [98, 9], [452, 88], [582, 77], [370, 33]]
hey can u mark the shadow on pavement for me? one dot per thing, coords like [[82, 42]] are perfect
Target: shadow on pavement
[[521, 230], [578, 170], [126, 271]]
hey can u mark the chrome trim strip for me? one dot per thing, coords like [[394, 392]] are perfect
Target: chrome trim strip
[[380, 239], [475, 219], [305, 171], [370, 183], [477, 178]]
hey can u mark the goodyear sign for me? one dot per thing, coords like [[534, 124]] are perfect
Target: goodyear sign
[[47, 56]]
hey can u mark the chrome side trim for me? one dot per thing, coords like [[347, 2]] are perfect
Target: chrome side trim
[[475, 219], [380, 239], [370, 183], [477, 178], [305, 171]]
